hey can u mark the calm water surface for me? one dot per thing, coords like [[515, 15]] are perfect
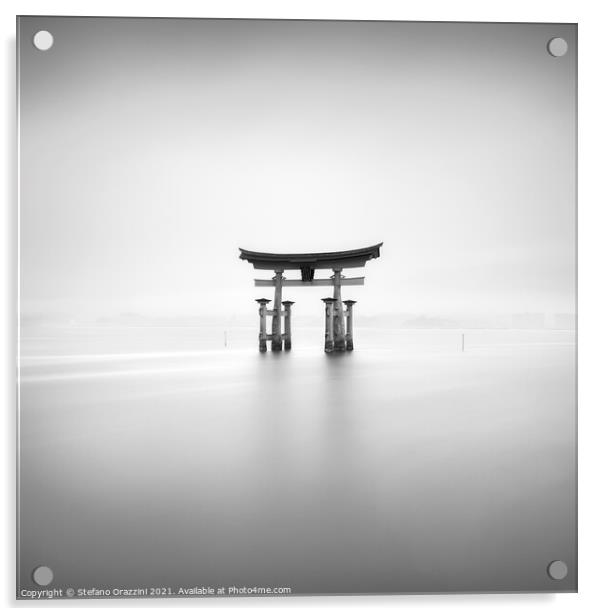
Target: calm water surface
[[164, 458]]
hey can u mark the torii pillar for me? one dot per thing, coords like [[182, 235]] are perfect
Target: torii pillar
[[287, 324], [277, 312], [329, 324], [338, 316], [349, 316], [263, 337]]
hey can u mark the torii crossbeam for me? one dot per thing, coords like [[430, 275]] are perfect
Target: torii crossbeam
[[339, 320]]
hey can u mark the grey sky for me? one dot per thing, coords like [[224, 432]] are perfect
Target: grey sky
[[152, 149]]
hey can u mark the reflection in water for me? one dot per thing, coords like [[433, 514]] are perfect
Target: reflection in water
[[368, 471]]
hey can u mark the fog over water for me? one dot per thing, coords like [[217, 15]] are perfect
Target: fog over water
[[152, 149]]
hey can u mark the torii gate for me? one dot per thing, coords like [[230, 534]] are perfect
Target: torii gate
[[339, 320]]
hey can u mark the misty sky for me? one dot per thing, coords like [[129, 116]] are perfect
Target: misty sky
[[151, 149]]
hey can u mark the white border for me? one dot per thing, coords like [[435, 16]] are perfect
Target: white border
[[587, 14]]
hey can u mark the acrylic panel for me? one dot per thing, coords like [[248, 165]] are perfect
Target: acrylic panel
[[296, 307]]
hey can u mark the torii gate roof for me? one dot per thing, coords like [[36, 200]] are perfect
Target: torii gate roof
[[312, 260]]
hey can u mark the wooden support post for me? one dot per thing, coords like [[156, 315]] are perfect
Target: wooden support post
[[329, 329], [277, 312], [287, 324], [349, 314], [263, 302], [338, 321]]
